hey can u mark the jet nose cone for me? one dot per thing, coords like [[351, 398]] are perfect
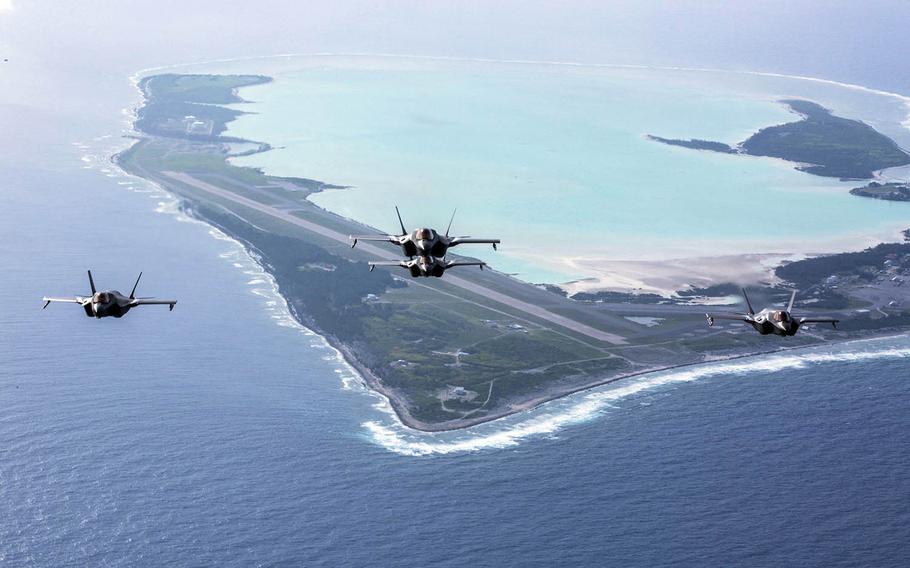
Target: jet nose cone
[[423, 245]]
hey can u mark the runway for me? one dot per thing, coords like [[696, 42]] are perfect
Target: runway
[[527, 308]]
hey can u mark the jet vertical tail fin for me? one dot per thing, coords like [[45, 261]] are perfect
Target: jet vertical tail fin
[[792, 298], [449, 228], [748, 303], [400, 222], [91, 282], [133, 293]]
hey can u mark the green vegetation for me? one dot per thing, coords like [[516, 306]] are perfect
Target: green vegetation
[[888, 191], [205, 89], [413, 340], [186, 106], [835, 146], [419, 342], [866, 265], [823, 144], [696, 144], [409, 340], [317, 293]]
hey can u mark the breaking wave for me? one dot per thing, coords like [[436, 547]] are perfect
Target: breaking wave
[[387, 430], [557, 415], [97, 155], [903, 99]]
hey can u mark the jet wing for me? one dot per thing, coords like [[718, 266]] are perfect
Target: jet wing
[[153, 301], [832, 321], [76, 300], [375, 263], [733, 317], [469, 240], [466, 263], [394, 239]]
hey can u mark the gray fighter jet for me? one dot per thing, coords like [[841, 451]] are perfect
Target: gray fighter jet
[[770, 320], [423, 241], [109, 303], [427, 266]]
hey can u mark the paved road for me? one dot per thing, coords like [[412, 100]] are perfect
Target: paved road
[[478, 289]]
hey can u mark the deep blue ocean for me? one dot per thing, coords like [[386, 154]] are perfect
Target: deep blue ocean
[[222, 434]]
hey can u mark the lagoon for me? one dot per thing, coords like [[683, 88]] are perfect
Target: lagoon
[[563, 149]]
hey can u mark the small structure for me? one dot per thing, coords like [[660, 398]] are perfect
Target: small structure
[[193, 125], [459, 393]]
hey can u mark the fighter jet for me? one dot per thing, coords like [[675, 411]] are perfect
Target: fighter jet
[[770, 320], [427, 266], [109, 303], [423, 241]]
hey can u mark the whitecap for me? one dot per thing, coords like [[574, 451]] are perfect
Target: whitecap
[[557, 415], [388, 431], [261, 283]]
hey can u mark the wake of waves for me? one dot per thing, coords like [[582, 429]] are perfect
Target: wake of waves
[[557, 415]]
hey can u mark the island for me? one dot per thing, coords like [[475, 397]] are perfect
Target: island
[[474, 345], [821, 144], [696, 144]]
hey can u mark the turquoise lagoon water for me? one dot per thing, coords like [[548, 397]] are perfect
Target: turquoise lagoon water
[[561, 149], [224, 434]]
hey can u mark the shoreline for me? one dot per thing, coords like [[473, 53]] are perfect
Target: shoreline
[[398, 401], [576, 272], [905, 99], [863, 152]]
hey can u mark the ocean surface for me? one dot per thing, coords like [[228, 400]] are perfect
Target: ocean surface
[[224, 434], [554, 158]]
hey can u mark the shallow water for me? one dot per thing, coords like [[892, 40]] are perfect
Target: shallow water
[[561, 149], [224, 434]]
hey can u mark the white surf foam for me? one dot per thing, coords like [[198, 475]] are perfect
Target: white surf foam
[[549, 419], [905, 100], [262, 284], [97, 155], [542, 422]]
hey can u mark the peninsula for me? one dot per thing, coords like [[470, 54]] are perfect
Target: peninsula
[[891, 191], [821, 143], [472, 346]]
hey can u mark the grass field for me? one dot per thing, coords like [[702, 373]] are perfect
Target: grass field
[[420, 338]]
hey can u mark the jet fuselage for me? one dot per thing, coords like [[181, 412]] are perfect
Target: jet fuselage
[[424, 242], [426, 266], [108, 303], [778, 322]]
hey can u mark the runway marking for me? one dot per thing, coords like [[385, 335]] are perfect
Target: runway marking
[[478, 289]]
